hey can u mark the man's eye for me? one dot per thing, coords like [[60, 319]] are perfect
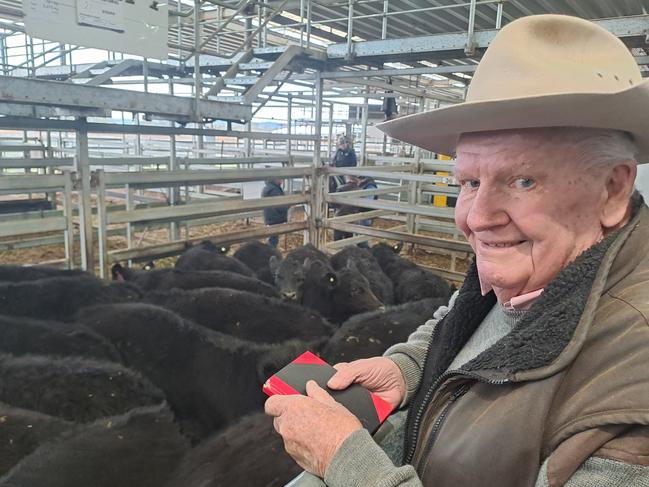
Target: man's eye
[[470, 183], [524, 183]]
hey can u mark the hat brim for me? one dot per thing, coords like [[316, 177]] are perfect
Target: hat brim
[[438, 130]]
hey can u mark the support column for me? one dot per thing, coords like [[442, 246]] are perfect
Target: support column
[[82, 167], [174, 234], [363, 158], [319, 179]]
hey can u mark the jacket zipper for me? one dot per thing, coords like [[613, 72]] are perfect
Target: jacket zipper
[[420, 412], [439, 421]]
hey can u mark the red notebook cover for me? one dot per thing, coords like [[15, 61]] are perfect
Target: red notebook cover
[[369, 408]]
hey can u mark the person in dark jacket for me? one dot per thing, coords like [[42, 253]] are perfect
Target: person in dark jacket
[[274, 216], [344, 157]]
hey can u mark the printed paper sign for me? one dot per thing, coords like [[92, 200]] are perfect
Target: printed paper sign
[[106, 14]]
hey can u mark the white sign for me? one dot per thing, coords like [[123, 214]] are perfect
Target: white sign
[[130, 26], [105, 14]]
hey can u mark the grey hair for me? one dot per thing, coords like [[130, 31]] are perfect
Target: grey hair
[[601, 148]]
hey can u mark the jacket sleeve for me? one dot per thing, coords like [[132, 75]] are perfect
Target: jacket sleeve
[[362, 463], [409, 356], [611, 456]]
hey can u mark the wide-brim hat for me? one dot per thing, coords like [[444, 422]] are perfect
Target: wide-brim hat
[[541, 71]]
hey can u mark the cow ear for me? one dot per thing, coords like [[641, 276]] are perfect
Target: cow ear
[[331, 279], [397, 247], [273, 263], [117, 271], [306, 264]]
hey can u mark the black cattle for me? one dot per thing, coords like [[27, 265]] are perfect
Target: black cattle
[[337, 295], [209, 379], [121, 273], [138, 449], [411, 282], [370, 334], [23, 336], [22, 431], [22, 206], [73, 388], [165, 279], [249, 453], [245, 315], [256, 255], [59, 298], [17, 273], [208, 257], [289, 273], [367, 265]]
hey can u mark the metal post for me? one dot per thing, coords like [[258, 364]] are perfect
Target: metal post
[[173, 166], [413, 190], [145, 73], [260, 20], [102, 227], [308, 23], [265, 29], [331, 130], [197, 60], [69, 227], [469, 49], [248, 28], [364, 127], [302, 23], [384, 24], [499, 16], [350, 28], [289, 115], [82, 167], [219, 17], [50, 170], [320, 180]]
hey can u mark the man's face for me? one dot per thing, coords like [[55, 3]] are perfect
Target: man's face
[[343, 146], [526, 207]]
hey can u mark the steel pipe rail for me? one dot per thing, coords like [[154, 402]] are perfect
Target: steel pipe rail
[[442, 243], [391, 206], [175, 248], [424, 178], [195, 178]]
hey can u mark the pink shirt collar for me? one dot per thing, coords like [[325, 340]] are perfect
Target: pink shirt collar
[[524, 301]]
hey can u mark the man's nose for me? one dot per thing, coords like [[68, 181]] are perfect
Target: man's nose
[[487, 210]]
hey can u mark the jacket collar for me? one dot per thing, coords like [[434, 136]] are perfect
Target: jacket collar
[[553, 331]]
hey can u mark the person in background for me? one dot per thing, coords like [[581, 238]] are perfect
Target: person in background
[[345, 156], [274, 216]]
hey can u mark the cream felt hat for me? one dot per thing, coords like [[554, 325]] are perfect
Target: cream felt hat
[[541, 71]]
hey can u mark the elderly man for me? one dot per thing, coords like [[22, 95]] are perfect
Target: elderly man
[[537, 373]]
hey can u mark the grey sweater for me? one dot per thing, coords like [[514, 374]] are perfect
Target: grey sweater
[[361, 462]]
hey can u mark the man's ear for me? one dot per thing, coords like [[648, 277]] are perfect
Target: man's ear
[[619, 186]]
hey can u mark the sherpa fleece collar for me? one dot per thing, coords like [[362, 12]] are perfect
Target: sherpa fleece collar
[[551, 332]]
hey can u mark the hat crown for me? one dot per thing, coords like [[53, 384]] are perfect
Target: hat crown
[[553, 54]]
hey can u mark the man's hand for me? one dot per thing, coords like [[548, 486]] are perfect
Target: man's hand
[[313, 426], [379, 375]]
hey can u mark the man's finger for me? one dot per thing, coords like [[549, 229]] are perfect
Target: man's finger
[[341, 365], [344, 377], [316, 392], [277, 404]]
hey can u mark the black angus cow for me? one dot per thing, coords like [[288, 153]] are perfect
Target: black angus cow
[[59, 298], [166, 279], [140, 448], [249, 453], [208, 257], [209, 379], [22, 431], [369, 267], [370, 334], [289, 273], [73, 388], [337, 295], [24, 336], [256, 255], [17, 273], [245, 315], [411, 282]]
